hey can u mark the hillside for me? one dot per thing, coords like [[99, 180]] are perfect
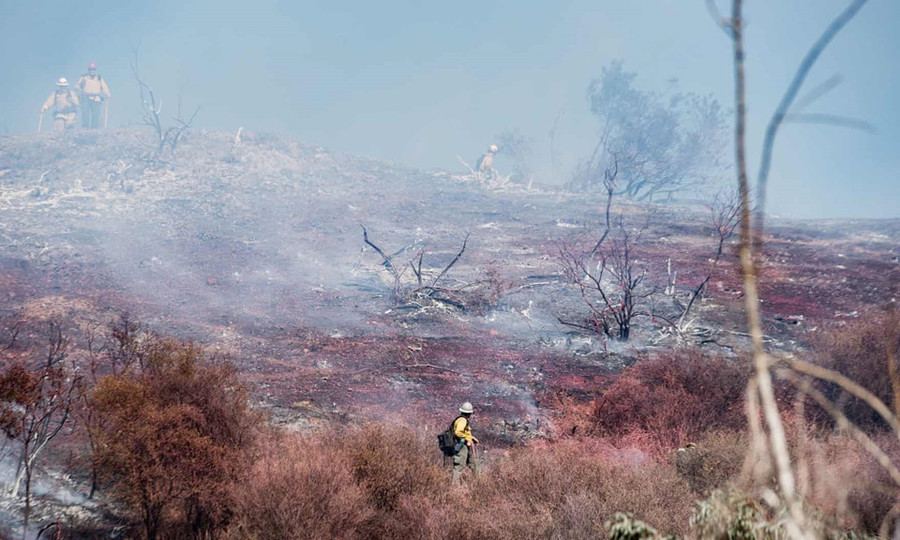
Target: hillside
[[254, 248], [257, 251]]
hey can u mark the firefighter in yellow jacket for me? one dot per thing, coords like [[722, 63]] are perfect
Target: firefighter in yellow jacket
[[485, 163], [464, 454], [66, 105], [94, 92]]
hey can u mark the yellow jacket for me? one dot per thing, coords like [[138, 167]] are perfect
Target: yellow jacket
[[485, 162], [93, 87], [65, 102], [461, 429]]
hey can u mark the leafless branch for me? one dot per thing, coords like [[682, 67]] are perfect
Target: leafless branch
[[13, 332], [450, 265], [725, 210], [777, 443], [717, 17], [417, 268], [609, 185], [791, 93], [387, 260], [844, 423], [820, 90], [152, 109], [395, 272], [829, 120], [411, 297], [609, 280], [177, 131], [849, 386]]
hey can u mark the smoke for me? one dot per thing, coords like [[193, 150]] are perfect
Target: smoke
[[423, 84], [53, 494]]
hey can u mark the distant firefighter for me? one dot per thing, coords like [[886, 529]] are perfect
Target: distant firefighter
[[690, 464], [486, 162], [464, 451], [94, 92], [66, 105]]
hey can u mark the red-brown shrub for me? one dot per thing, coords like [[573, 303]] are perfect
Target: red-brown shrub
[[175, 435], [299, 488], [848, 484], [860, 351], [676, 396], [397, 469], [569, 489], [384, 482]]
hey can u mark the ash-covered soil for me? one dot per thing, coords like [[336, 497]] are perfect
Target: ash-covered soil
[[256, 250]]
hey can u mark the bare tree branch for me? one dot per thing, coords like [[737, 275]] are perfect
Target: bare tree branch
[[449, 266], [850, 386], [412, 297], [777, 443], [387, 260], [820, 90], [725, 219], [609, 278], [844, 423], [609, 184], [791, 93], [829, 120], [717, 17], [151, 110]]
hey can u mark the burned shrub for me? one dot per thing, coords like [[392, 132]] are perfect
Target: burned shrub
[[723, 453], [611, 280], [391, 461], [426, 286], [175, 435], [36, 401], [299, 488], [866, 351], [400, 474], [676, 397], [571, 489]]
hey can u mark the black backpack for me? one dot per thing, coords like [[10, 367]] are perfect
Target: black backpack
[[447, 440]]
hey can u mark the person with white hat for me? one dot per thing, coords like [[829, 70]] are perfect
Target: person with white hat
[[464, 454], [66, 105], [485, 164]]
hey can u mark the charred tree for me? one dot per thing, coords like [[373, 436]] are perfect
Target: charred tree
[[35, 405], [151, 115]]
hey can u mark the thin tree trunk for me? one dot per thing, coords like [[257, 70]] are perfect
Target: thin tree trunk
[[27, 501], [777, 442]]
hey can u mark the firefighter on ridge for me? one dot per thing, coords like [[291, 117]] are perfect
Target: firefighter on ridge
[[66, 105], [464, 452], [94, 92], [485, 163]]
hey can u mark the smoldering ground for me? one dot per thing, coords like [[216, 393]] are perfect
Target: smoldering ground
[[258, 250]]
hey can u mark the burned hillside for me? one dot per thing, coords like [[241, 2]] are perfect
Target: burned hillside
[[254, 246]]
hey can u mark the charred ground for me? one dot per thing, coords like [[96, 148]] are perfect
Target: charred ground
[[255, 249]]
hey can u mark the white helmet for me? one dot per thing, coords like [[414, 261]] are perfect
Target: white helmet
[[62, 82], [467, 408], [493, 148]]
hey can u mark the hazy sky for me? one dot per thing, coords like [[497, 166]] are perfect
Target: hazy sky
[[422, 82]]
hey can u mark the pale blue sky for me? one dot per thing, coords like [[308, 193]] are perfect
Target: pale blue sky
[[422, 82]]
